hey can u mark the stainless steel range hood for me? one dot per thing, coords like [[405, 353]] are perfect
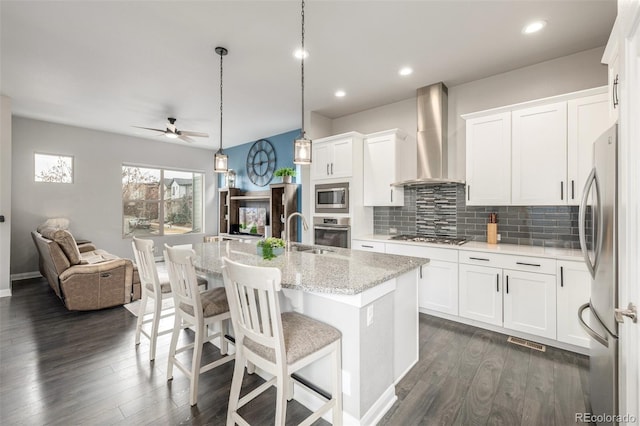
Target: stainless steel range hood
[[432, 152]]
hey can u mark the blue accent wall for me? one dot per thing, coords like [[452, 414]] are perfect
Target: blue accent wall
[[283, 145]]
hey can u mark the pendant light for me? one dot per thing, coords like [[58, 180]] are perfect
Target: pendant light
[[220, 159], [302, 145]]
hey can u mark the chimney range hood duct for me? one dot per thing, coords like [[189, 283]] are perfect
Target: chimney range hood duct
[[432, 153]]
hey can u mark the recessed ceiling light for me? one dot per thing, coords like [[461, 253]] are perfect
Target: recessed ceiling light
[[340, 93], [299, 53], [534, 27], [405, 71]]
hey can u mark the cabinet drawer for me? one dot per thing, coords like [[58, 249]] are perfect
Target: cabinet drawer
[[376, 246], [435, 253], [517, 263]]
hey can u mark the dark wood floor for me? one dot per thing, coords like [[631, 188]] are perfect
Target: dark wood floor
[[468, 376], [60, 367]]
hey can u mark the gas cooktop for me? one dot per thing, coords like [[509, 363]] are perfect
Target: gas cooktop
[[430, 239]]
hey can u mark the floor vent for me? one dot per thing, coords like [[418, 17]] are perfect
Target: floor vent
[[527, 344]]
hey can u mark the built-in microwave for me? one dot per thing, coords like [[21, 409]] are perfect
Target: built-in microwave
[[332, 198]]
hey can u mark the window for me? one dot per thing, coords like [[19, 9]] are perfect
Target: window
[[161, 202], [53, 168]]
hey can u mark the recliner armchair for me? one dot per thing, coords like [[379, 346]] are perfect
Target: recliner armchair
[[83, 277]]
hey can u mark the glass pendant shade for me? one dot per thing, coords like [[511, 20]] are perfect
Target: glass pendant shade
[[302, 151], [220, 162]]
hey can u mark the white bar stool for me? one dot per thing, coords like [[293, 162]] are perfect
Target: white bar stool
[[280, 344], [197, 310]]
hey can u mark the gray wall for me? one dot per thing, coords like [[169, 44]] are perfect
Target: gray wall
[[93, 203], [567, 74], [5, 195]]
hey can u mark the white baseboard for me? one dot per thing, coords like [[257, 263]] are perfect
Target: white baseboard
[[25, 276], [5, 293], [380, 407], [404, 373]]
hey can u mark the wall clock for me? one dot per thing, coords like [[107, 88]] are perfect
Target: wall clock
[[261, 162]]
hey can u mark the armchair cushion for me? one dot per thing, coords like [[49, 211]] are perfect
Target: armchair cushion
[[66, 242]]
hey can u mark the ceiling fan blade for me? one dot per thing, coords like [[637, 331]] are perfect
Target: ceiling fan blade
[[186, 138], [149, 128], [195, 134]]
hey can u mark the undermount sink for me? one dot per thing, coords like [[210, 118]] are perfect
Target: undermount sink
[[312, 250]]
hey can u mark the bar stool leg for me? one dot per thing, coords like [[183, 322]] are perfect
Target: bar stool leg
[[143, 308], [336, 364], [177, 326], [155, 324]]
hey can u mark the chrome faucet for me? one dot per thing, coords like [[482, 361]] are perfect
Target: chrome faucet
[[288, 228]]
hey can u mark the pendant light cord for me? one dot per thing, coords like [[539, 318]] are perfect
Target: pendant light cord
[[302, 69], [221, 55]]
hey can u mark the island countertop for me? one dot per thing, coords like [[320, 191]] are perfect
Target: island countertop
[[340, 271]]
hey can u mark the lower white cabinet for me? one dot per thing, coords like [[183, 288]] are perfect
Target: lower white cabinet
[[530, 303], [519, 300], [573, 289], [438, 281], [481, 293]]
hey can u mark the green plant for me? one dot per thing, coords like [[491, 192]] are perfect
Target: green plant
[[268, 244], [285, 171]]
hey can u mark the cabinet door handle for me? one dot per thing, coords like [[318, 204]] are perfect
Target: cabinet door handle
[[468, 192], [105, 275], [614, 92], [366, 246], [479, 258], [327, 169], [420, 271], [331, 168], [498, 283], [561, 277], [528, 264], [507, 284], [562, 190], [392, 195], [573, 189]]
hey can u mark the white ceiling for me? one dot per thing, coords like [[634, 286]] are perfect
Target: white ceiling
[[110, 65]]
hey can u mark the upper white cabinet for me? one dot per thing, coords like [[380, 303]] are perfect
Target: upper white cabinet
[[539, 155], [385, 158], [534, 153], [333, 157], [587, 119], [489, 159]]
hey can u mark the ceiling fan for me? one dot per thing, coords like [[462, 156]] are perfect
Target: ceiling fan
[[172, 132]]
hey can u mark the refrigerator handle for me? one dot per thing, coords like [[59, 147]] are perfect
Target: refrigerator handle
[[582, 218], [598, 338]]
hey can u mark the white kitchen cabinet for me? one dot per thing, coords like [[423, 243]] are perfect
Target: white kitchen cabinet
[[530, 303], [611, 57], [573, 290], [386, 155], [587, 119], [481, 293], [438, 280], [489, 160], [365, 245], [539, 155], [332, 157], [512, 291]]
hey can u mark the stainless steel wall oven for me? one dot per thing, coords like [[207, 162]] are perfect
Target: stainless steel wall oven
[[332, 231]]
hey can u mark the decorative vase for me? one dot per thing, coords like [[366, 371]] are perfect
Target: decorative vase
[[277, 251], [286, 179]]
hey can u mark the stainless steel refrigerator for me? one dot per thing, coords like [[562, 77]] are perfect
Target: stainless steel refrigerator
[[598, 241]]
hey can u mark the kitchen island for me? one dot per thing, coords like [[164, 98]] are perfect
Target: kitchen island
[[370, 297]]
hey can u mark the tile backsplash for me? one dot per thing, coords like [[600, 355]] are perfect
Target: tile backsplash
[[440, 210]]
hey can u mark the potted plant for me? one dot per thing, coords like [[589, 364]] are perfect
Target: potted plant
[[270, 247], [286, 173]]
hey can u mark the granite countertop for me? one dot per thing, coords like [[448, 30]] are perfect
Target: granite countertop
[[341, 271], [514, 249]]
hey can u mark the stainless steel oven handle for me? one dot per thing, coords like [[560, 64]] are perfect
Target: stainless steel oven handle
[[332, 228], [598, 338]]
